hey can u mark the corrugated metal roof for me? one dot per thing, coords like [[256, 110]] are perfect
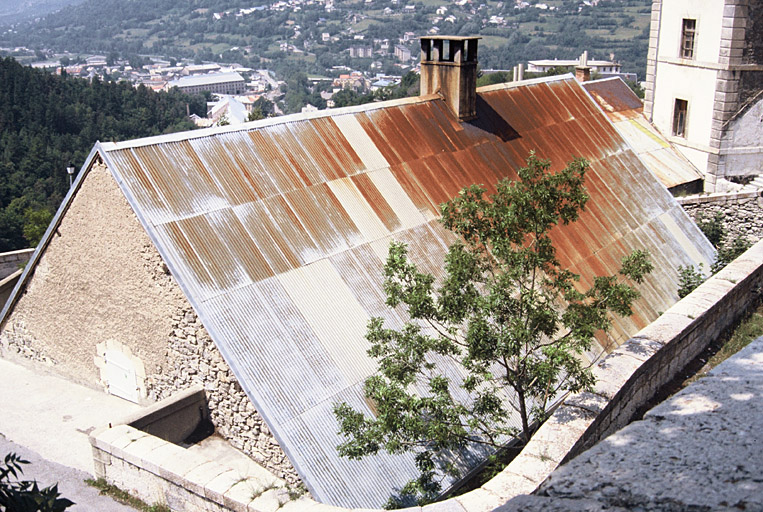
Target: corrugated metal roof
[[624, 109], [277, 231]]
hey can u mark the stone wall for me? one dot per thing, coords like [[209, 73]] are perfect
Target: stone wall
[[11, 261], [192, 359], [743, 212], [161, 472]]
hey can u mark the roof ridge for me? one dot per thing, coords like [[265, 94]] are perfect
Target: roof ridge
[[263, 123]]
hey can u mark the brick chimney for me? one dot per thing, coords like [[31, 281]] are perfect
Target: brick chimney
[[583, 70], [449, 68]]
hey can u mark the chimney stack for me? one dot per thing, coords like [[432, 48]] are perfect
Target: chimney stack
[[449, 68], [583, 70]]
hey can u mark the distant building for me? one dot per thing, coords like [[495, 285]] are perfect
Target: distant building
[[361, 52], [599, 66], [96, 61], [704, 83], [217, 83], [402, 53], [230, 108], [199, 69], [354, 80]]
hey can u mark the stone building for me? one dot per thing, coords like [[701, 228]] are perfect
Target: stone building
[[705, 81], [249, 258]]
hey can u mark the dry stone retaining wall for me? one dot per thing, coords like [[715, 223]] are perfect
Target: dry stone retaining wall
[[193, 358], [743, 212]]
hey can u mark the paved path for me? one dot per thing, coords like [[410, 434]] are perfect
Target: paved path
[[47, 419], [70, 481], [701, 450]]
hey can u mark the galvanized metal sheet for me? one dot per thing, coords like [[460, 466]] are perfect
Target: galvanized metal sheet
[[334, 315], [277, 232], [624, 109], [363, 215]]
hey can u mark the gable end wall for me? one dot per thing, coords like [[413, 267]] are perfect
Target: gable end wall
[[102, 280]]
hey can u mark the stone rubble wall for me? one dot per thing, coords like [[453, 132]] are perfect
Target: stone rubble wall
[[193, 358], [743, 212], [102, 281]]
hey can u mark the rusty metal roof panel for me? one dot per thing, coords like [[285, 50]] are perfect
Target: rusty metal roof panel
[[613, 95], [625, 110], [277, 232]]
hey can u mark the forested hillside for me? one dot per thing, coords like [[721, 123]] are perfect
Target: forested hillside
[[12, 11], [49, 121]]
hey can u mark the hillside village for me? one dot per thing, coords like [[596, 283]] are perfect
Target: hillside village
[[375, 41], [223, 279]]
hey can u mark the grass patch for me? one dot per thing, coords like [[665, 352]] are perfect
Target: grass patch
[[750, 329], [124, 497], [726, 345]]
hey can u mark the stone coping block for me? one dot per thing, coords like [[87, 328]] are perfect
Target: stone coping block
[[581, 420], [17, 254], [717, 197]]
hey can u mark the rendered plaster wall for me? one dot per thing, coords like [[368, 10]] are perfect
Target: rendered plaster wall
[[742, 143], [742, 212], [98, 279], [101, 284]]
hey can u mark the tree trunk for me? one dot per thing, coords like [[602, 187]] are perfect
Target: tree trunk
[[523, 414]]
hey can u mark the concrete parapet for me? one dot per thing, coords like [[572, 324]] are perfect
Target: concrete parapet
[[627, 379], [11, 261]]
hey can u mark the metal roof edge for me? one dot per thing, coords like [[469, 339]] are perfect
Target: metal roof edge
[[45, 240], [263, 123], [522, 83], [598, 80], [625, 140], [213, 334]]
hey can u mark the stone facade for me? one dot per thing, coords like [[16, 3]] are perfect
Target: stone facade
[[100, 282], [743, 212], [718, 83]]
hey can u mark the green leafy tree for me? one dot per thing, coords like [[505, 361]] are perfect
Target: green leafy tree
[[729, 252], [712, 228], [689, 278], [25, 495], [255, 115], [35, 223], [506, 311]]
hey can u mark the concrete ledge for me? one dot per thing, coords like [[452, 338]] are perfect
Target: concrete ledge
[[627, 378], [175, 418]]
